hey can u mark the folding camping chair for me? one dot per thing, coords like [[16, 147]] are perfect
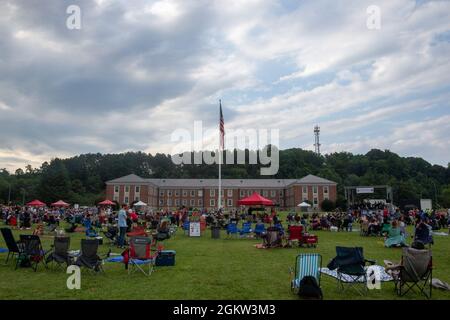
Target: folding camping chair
[[89, 257], [140, 254], [259, 229], [423, 235], [31, 252], [414, 271], [232, 229], [246, 229], [90, 231], [295, 234], [60, 254], [308, 264], [13, 249], [350, 264]]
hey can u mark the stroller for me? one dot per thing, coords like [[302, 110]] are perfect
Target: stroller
[[111, 234]]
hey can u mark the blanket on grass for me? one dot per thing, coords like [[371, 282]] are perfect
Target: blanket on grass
[[346, 278]]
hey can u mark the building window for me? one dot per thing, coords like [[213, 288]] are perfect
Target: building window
[[316, 202], [185, 193], [273, 193], [192, 193], [242, 193], [184, 202], [230, 202], [161, 193], [200, 193], [325, 190], [281, 193], [200, 202], [116, 198], [137, 189], [305, 189], [136, 198], [169, 193], [177, 193], [169, 202], [192, 202], [212, 202], [116, 189], [230, 193], [161, 202], [212, 192], [126, 200], [265, 193], [127, 189], [177, 202], [315, 189], [249, 192]]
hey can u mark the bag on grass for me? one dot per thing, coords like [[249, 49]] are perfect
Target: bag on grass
[[309, 288]]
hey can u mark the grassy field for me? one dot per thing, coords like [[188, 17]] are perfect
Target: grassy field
[[211, 269]]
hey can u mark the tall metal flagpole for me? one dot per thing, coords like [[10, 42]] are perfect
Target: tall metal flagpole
[[219, 202]]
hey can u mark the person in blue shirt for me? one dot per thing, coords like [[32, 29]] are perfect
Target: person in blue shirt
[[122, 223]]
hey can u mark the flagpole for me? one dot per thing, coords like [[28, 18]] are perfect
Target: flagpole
[[219, 203]]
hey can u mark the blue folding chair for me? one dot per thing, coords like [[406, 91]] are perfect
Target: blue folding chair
[[307, 264], [246, 228], [186, 227], [90, 232], [259, 229], [232, 229]]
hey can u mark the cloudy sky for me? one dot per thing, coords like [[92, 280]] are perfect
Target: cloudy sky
[[138, 70]]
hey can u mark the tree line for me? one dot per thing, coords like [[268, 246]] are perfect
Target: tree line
[[81, 179]]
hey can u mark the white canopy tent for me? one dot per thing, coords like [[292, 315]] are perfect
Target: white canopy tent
[[140, 204], [304, 205]]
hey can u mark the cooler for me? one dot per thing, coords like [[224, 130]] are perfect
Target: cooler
[[166, 258]]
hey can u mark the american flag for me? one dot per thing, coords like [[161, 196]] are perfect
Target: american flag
[[222, 128]]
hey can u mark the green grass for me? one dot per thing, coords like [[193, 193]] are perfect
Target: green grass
[[211, 269]]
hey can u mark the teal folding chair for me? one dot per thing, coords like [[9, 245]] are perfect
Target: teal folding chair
[[307, 264]]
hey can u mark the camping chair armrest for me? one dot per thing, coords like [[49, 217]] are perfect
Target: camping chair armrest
[[370, 261]]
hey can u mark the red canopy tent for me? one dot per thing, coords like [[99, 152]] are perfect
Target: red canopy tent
[[60, 203], [36, 203], [106, 203], [255, 199]]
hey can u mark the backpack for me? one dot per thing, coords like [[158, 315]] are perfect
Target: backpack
[[309, 288]]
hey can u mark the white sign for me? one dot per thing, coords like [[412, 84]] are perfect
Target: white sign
[[426, 204], [364, 190], [194, 229]]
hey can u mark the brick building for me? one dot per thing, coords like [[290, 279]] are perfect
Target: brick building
[[203, 193]]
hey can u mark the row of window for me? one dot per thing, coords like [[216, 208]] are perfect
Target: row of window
[[212, 192]]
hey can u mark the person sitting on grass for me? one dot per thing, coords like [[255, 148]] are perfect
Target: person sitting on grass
[[374, 227], [394, 237]]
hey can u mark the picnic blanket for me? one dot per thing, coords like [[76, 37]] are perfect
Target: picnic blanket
[[439, 233], [384, 277], [2, 250]]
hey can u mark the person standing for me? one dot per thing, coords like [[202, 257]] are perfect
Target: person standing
[[122, 223]]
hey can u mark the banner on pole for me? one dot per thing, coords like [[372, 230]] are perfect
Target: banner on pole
[[364, 190]]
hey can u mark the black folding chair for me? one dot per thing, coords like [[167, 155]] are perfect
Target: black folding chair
[[30, 251], [89, 257], [414, 272], [350, 266], [13, 249], [60, 254]]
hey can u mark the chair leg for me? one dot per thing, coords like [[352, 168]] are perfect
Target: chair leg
[[7, 258]]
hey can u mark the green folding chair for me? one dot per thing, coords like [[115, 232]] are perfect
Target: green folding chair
[[307, 264]]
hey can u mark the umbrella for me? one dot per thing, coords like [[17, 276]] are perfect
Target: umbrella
[[60, 203], [255, 199], [106, 203], [140, 204], [36, 203], [304, 205]]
